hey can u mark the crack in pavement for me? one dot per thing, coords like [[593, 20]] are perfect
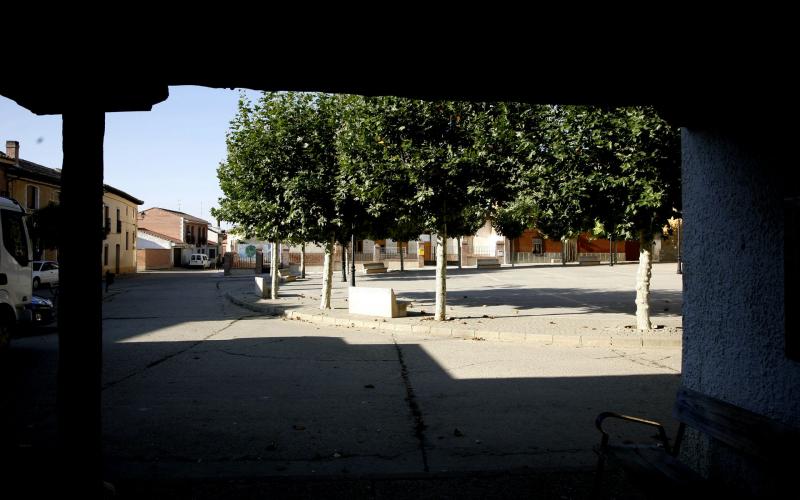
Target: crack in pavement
[[411, 399], [645, 362], [296, 358], [170, 356]]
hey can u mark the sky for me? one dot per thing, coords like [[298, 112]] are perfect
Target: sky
[[167, 157]]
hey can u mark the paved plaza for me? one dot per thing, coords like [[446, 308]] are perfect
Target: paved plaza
[[572, 305]]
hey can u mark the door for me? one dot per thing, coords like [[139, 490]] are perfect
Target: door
[[176, 257], [427, 255], [116, 261], [631, 250]]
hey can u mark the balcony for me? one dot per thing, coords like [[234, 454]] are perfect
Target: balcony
[[107, 227], [119, 226]]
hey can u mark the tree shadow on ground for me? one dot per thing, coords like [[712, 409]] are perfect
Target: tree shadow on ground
[[582, 301]]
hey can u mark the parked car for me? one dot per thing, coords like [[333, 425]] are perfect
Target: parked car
[[42, 310], [45, 272], [199, 260]]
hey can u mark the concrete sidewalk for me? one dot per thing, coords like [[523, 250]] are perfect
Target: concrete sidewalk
[[552, 305]]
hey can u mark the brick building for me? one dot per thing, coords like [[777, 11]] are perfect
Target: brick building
[[181, 233]]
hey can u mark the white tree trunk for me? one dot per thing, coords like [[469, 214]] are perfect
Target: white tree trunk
[[400, 244], [273, 267], [643, 286], [303, 260], [327, 277], [441, 276]]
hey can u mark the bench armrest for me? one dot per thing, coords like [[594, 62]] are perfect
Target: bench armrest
[[662, 434]]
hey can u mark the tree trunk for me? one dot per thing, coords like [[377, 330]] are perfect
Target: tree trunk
[[400, 243], [276, 277], [303, 260], [643, 284], [458, 240], [441, 276], [611, 251], [327, 276], [512, 253], [344, 263], [563, 252]]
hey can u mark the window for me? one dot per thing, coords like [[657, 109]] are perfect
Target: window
[[14, 237], [105, 255], [119, 223], [32, 197], [126, 240], [537, 245]]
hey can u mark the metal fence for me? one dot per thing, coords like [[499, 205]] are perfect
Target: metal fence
[[535, 258], [240, 262]]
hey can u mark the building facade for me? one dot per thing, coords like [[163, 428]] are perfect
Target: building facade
[[35, 187], [189, 231]]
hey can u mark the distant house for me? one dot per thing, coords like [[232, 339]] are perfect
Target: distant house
[[35, 186], [158, 251], [185, 233], [217, 239]]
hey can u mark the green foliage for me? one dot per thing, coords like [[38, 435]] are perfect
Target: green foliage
[[279, 176], [45, 227], [615, 172], [512, 219], [417, 164]]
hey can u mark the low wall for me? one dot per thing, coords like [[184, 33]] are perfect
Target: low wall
[[153, 258]]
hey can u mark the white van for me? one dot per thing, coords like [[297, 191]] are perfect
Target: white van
[[15, 268], [199, 260]]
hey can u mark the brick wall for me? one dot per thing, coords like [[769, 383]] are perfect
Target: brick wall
[[587, 245], [161, 221], [153, 258]]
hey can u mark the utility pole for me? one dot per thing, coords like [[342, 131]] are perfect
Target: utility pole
[[353, 259], [678, 241]]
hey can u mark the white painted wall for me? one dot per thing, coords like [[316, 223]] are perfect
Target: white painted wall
[[144, 240], [733, 342]]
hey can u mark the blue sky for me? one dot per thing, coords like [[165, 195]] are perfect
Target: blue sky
[[167, 157]]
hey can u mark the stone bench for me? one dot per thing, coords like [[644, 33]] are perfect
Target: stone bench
[[375, 302], [286, 275], [588, 260], [263, 287], [656, 467], [374, 267], [488, 263]]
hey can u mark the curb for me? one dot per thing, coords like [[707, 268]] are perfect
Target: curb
[[445, 331]]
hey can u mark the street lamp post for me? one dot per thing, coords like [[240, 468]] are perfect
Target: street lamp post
[[678, 230], [353, 259]]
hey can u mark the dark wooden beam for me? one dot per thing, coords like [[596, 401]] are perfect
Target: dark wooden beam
[[80, 303]]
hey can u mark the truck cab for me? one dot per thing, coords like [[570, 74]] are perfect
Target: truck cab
[[15, 268]]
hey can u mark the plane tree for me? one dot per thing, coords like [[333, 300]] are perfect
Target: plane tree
[[252, 175], [422, 160]]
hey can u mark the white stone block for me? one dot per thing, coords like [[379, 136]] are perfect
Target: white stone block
[[374, 302], [263, 287]]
